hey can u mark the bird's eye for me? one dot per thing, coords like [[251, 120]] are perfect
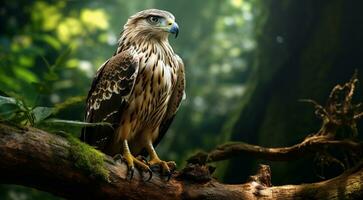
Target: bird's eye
[[154, 19]]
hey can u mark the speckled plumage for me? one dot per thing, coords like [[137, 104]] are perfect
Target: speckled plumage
[[138, 90]]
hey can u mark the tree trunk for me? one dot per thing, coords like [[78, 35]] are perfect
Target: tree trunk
[[304, 48]]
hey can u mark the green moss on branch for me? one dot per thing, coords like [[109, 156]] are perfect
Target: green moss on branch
[[87, 158]]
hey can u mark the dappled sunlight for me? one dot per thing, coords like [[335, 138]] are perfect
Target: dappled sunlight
[[48, 15], [94, 19], [68, 29]]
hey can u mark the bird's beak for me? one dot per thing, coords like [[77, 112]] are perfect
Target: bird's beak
[[174, 29]]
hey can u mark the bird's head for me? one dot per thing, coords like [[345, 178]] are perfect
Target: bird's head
[[152, 23]]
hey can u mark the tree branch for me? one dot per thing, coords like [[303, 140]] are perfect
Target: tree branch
[[311, 145], [34, 158], [338, 115]]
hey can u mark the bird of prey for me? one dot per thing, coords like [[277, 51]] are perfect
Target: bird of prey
[[138, 90]]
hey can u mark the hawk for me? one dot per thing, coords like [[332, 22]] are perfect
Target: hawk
[[138, 90]]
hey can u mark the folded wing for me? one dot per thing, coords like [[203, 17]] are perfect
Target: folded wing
[[108, 96]]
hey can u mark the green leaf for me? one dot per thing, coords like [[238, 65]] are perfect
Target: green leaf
[[52, 41], [51, 76], [76, 123], [8, 112], [61, 60], [41, 113], [25, 75], [7, 100], [19, 100]]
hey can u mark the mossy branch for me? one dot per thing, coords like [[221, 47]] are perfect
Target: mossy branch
[[63, 166]]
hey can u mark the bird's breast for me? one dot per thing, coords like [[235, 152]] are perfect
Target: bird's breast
[[153, 88]]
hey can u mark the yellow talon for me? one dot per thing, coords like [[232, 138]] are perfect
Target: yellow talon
[[133, 163], [129, 159], [166, 167]]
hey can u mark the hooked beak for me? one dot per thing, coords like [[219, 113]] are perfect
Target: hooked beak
[[174, 29]]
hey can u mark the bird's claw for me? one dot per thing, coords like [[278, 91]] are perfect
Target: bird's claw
[[168, 176], [150, 174], [140, 163], [130, 168], [164, 168], [130, 173]]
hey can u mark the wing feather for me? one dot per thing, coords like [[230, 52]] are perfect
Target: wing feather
[[108, 96]]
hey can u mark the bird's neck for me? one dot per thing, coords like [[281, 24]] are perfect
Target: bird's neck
[[142, 42]]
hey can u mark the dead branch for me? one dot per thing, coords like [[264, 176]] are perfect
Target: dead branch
[[338, 113], [34, 158], [309, 146]]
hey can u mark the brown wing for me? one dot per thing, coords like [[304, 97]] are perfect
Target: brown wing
[[174, 102], [108, 96]]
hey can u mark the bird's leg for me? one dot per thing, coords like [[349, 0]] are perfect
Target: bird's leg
[[133, 162], [166, 167]]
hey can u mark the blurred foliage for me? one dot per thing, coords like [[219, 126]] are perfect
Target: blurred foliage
[[247, 62], [50, 50]]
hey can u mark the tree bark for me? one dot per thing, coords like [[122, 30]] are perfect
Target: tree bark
[[304, 49], [35, 158]]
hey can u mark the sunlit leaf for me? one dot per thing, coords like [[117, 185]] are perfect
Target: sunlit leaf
[[25, 74], [237, 3], [69, 28], [94, 19], [7, 100], [26, 61], [47, 14], [52, 41], [72, 63]]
